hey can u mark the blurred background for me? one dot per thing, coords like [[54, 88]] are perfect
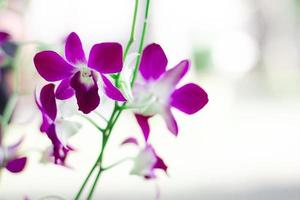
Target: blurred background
[[244, 145]]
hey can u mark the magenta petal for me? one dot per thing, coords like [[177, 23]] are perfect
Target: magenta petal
[[51, 66], [144, 124], [160, 164], [46, 120], [73, 49], [170, 121], [64, 90], [16, 165], [4, 37], [86, 94], [60, 152], [190, 98], [48, 102], [45, 124], [130, 140], [153, 62], [106, 58], [111, 91], [174, 75]]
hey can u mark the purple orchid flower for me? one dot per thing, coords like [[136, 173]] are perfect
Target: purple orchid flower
[[10, 159], [58, 129], [79, 75], [156, 92], [147, 161]]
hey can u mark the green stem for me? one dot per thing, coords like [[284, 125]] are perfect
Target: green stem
[[95, 184], [93, 123], [131, 37], [115, 164], [105, 137], [132, 33], [85, 182], [141, 46]]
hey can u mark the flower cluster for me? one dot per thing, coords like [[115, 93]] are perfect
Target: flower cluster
[[154, 92]]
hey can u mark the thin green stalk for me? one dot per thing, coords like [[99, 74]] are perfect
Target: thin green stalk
[[99, 159], [95, 184], [85, 182], [93, 123], [131, 37], [115, 164], [141, 46], [132, 33]]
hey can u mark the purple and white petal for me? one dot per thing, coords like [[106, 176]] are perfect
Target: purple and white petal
[[52, 67], [130, 140], [73, 49], [126, 76], [144, 162], [153, 62], [16, 165], [160, 164], [86, 91], [66, 129], [189, 99], [174, 75], [64, 90], [170, 121], [60, 154], [111, 91], [144, 124], [106, 58]]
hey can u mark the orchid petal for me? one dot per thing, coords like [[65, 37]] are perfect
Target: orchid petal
[[60, 152], [153, 62], [170, 121], [86, 93], [189, 99], [111, 91], [144, 124], [64, 90], [66, 129], [106, 58], [130, 140], [48, 102], [73, 49], [9, 48], [67, 108], [4, 36], [126, 76], [160, 164], [16, 165], [144, 162], [12, 149], [52, 67], [46, 121], [174, 75]]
